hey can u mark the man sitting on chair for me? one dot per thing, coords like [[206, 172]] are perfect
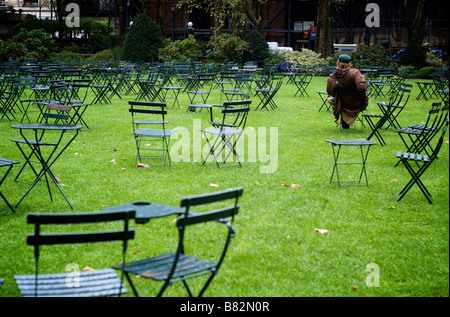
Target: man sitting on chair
[[349, 87]]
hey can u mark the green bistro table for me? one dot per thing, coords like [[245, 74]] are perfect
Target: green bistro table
[[35, 136], [361, 143]]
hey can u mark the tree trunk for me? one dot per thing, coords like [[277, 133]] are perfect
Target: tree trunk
[[324, 41], [413, 27], [122, 21], [160, 18], [60, 23]]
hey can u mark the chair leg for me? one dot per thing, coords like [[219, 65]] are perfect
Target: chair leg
[[415, 179], [131, 284]]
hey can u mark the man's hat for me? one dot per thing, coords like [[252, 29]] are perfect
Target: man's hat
[[344, 58]]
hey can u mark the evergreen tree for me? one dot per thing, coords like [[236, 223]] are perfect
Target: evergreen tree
[[413, 55], [143, 41]]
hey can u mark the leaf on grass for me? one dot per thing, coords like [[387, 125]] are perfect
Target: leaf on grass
[[87, 268], [322, 231], [77, 154], [142, 165], [123, 169], [394, 180], [113, 161], [104, 206], [304, 109], [58, 180], [291, 185], [213, 185]]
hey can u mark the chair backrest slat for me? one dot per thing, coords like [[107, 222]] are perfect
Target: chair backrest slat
[[53, 239], [208, 216], [211, 197]]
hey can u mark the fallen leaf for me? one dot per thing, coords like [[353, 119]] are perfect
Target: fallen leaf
[[114, 149], [291, 185], [104, 206], [213, 185], [87, 268], [304, 109], [322, 231], [58, 180], [394, 180], [113, 161], [123, 169], [142, 165]]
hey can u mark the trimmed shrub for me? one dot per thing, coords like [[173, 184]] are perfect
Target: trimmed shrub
[[180, 51], [413, 55], [143, 40], [66, 56], [426, 72], [258, 50], [104, 56]]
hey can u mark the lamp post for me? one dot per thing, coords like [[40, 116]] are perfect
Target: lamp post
[[173, 7], [128, 15], [190, 28]]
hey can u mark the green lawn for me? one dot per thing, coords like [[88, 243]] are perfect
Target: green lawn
[[277, 252]]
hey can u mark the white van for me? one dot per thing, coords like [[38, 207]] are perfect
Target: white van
[[345, 48], [275, 48]]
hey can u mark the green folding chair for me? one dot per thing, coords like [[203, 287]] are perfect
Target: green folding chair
[[215, 213], [94, 283]]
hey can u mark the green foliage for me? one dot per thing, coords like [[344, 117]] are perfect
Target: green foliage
[[433, 60], [143, 40], [426, 72], [34, 45], [413, 55], [371, 55], [258, 49], [367, 55], [227, 48], [66, 55], [109, 55], [88, 26], [305, 57], [181, 50], [102, 42]]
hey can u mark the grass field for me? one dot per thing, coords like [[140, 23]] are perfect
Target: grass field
[[277, 252]]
